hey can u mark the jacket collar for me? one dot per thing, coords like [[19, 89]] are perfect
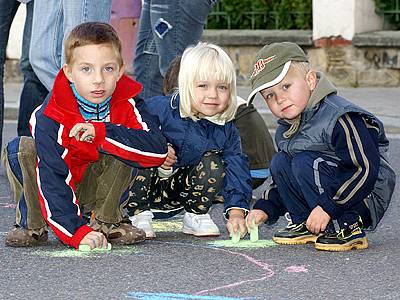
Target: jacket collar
[[63, 107]]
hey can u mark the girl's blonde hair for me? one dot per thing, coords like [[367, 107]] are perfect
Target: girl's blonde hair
[[205, 61]]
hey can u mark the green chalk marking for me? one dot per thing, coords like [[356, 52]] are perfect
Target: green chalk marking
[[167, 226], [254, 232], [243, 244], [117, 251], [86, 248], [235, 237]]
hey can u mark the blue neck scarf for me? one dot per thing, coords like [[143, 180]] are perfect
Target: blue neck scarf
[[91, 111]]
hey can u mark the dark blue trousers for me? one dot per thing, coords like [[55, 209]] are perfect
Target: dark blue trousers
[[303, 178]]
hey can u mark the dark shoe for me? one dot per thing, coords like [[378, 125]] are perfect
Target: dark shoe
[[294, 234], [22, 237], [350, 237], [123, 233]]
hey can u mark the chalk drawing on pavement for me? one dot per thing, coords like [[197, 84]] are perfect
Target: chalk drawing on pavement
[[167, 226], [117, 251], [297, 269], [243, 244], [171, 296], [8, 205]]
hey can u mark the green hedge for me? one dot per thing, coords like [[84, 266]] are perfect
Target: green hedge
[[390, 9], [261, 14]]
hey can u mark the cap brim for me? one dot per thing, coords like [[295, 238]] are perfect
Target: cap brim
[[277, 79]]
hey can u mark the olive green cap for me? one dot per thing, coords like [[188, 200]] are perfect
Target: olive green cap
[[272, 64]]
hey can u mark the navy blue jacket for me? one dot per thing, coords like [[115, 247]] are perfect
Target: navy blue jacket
[[191, 140]]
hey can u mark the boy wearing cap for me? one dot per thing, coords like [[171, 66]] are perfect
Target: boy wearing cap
[[332, 162]]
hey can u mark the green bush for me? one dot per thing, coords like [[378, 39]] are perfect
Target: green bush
[[261, 14], [384, 6]]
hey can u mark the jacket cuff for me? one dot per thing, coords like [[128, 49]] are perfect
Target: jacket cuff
[[79, 235], [268, 207], [330, 207], [226, 212], [100, 132]]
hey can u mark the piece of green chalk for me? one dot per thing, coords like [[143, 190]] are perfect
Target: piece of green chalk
[[236, 237], [254, 232], [86, 248]]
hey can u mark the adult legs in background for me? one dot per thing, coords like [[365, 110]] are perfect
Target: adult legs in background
[[166, 28], [52, 20], [7, 13], [33, 92], [125, 19]]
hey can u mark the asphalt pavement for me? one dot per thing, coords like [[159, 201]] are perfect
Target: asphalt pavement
[[176, 266]]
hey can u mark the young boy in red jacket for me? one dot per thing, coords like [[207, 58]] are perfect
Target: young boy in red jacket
[[87, 136]]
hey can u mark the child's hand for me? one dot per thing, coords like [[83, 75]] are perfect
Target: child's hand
[[87, 130], [236, 222], [94, 239], [258, 216], [170, 160], [317, 220]]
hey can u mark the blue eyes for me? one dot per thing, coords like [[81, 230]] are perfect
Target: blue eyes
[[220, 87], [89, 69]]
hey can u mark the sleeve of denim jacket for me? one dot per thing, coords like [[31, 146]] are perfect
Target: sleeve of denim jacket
[[271, 204], [237, 188], [60, 207], [356, 146]]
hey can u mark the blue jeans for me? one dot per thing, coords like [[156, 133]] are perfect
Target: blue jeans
[[166, 28], [33, 92], [52, 21], [303, 178]]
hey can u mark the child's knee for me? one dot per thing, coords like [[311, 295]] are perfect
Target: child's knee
[[280, 163], [303, 162], [19, 154], [210, 169]]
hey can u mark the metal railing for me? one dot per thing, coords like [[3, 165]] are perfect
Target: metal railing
[[390, 10], [261, 19]]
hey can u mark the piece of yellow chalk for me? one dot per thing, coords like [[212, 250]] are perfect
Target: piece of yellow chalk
[[86, 248], [254, 232]]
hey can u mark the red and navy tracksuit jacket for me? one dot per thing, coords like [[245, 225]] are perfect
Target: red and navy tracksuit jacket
[[132, 135]]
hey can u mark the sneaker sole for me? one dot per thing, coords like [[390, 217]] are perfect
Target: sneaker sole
[[27, 244], [357, 244], [295, 241], [204, 234], [18, 243]]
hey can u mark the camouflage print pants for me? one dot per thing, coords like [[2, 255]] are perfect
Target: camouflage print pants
[[193, 188]]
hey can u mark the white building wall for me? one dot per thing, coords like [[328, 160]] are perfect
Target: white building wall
[[366, 18], [333, 18], [344, 18]]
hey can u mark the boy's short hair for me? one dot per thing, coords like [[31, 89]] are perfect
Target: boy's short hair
[[271, 65], [205, 61], [170, 83], [92, 33]]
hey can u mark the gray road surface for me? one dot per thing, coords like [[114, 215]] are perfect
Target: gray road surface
[[175, 266]]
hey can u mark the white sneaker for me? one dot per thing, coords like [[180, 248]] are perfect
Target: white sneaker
[[143, 221], [199, 225]]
